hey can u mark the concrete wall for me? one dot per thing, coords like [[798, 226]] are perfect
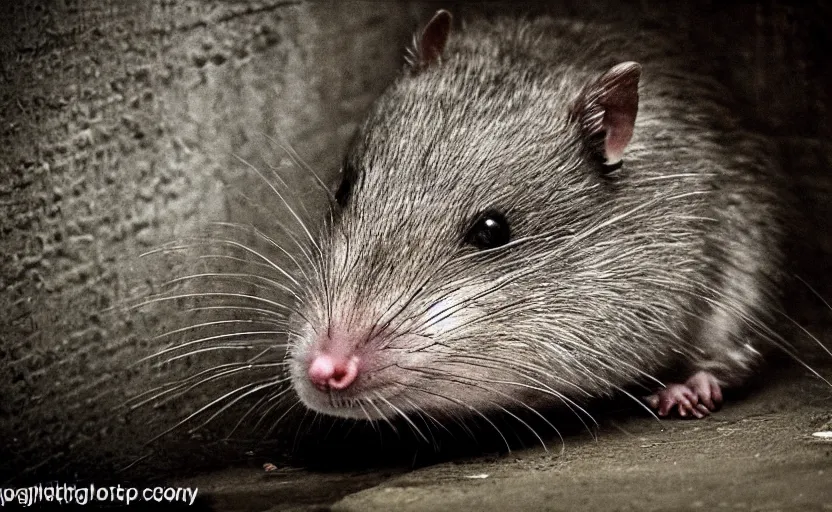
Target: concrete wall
[[120, 121], [119, 125]]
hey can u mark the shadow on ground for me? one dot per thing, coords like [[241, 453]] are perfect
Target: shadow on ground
[[757, 453]]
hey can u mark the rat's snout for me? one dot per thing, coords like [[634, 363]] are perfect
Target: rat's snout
[[350, 370], [333, 362], [331, 371]]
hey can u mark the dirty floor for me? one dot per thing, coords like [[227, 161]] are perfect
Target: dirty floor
[[763, 451]]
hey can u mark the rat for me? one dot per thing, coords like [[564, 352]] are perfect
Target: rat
[[536, 212]]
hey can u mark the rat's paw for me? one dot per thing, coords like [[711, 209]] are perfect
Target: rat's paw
[[697, 397]]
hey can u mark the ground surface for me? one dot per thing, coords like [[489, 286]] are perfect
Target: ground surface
[[758, 453]]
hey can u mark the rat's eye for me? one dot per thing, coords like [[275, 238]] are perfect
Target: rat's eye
[[490, 229], [342, 195], [344, 191]]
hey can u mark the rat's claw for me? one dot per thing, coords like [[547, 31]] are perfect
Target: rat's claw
[[674, 395], [697, 397], [707, 389]]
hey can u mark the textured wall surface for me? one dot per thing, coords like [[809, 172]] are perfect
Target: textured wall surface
[[120, 122]]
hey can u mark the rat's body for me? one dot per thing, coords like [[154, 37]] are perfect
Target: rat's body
[[484, 256]]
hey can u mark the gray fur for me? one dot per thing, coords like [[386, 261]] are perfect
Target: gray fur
[[672, 258]]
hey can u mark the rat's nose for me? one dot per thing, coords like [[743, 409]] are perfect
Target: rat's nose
[[330, 372]]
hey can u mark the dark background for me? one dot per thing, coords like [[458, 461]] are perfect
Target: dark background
[[118, 125]]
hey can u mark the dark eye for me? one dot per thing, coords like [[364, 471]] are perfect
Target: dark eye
[[344, 191], [342, 195], [489, 230]]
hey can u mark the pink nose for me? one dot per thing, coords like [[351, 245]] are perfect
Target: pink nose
[[327, 372]]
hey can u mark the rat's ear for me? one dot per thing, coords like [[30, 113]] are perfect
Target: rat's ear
[[606, 111], [428, 46]]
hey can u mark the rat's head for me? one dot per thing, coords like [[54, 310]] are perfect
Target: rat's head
[[465, 267]]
